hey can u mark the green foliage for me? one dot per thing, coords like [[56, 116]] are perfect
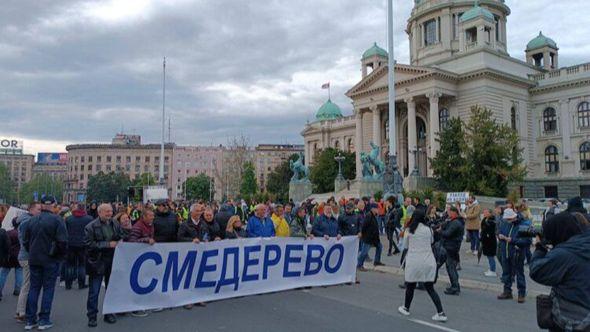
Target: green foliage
[[198, 187], [108, 187], [480, 156], [278, 180], [513, 196], [440, 199], [248, 187], [325, 169], [7, 187], [145, 179], [41, 184], [378, 195]]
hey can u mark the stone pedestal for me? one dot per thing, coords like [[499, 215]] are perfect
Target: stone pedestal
[[339, 184], [368, 187], [299, 190]]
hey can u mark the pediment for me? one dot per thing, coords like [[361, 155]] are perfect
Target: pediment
[[378, 78]]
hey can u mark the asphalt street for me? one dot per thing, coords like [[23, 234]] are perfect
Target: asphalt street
[[368, 306]]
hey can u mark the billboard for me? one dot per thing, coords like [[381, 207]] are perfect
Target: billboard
[[11, 146], [52, 158]]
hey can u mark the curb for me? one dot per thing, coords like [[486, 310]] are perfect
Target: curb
[[466, 283]]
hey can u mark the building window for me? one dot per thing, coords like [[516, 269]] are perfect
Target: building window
[[584, 114], [443, 119], [82, 159], [98, 159], [109, 159], [430, 32], [89, 159], [128, 159], [497, 18], [118, 159], [551, 192], [585, 156], [550, 119], [513, 118], [551, 159]]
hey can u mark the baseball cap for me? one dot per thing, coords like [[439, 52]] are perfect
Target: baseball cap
[[48, 200]]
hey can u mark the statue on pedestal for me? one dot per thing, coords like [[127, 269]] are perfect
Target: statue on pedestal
[[373, 166], [300, 171]]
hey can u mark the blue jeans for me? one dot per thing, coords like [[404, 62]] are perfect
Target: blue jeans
[[492, 262], [75, 266], [381, 221], [514, 267], [18, 278], [42, 277], [474, 240], [365, 252]]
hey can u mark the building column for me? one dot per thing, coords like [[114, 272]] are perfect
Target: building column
[[434, 126], [376, 125], [412, 138], [358, 145], [564, 124]]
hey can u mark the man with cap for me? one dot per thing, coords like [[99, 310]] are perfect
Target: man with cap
[[452, 233], [165, 223], [349, 222], [512, 253], [46, 240], [369, 236]]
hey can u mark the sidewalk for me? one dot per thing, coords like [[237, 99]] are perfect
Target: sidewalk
[[470, 276]]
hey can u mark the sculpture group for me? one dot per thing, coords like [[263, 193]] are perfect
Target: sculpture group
[[300, 171], [373, 167]]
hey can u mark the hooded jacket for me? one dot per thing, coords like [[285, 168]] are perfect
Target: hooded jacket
[[349, 224], [222, 217], [165, 227], [75, 225], [518, 244]]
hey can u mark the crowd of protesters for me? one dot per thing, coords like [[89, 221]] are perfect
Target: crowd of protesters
[[76, 243]]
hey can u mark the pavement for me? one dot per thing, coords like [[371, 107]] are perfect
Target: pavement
[[368, 306], [470, 276]]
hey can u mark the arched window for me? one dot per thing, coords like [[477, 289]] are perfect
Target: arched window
[[551, 159], [443, 119], [513, 118], [350, 145], [584, 114], [337, 145], [585, 156], [549, 119]]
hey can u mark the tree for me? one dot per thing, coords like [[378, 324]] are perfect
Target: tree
[[325, 169], [448, 165], [279, 178], [198, 187], [7, 187], [238, 152], [145, 179], [248, 186], [479, 156], [108, 187], [42, 184]]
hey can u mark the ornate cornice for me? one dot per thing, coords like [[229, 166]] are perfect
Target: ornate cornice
[[382, 71], [560, 86]]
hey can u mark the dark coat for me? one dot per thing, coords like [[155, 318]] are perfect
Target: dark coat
[[14, 249], [236, 234], [325, 226], [188, 231], [519, 244], [370, 230], [452, 235], [99, 257], [141, 232], [46, 239], [222, 217], [213, 229], [489, 243], [349, 224], [4, 247], [75, 225], [165, 227]]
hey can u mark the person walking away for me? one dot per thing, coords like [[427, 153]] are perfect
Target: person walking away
[[235, 229], [473, 223], [420, 265], [279, 221], [76, 256], [101, 237], [165, 223], [565, 268], [381, 216], [370, 238], [488, 241], [393, 218], [46, 240], [452, 236], [23, 261], [259, 225], [512, 253], [12, 262]]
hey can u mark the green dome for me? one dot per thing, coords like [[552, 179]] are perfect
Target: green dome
[[328, 111], [374, 50], [476, 12], [541, 41]]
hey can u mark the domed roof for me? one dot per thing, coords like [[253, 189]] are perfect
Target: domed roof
[[476, 12], [541, 41], [328, 111], [374, 50]]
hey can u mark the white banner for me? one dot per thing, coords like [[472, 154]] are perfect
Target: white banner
[[174, 274], [11, 214]]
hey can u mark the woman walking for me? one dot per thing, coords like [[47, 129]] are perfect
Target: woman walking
[[489, 243], [420, 265]]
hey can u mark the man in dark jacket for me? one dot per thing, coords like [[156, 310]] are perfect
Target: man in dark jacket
[[46, 240], [213, 229], [76, 257], [165, 223], [370, 238], [4, 248], [452, 235], [101, 237], [222, 217], [326, 225], [193, 229], [349, 222], [393, 218]]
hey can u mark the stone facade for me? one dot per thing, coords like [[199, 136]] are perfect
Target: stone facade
[[459, 59]]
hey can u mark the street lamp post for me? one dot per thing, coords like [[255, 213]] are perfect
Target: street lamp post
[[339, 159]]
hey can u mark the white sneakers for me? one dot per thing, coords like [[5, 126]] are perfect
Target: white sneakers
[[402, 310], [490, 274], [440, 317], [474, 252]]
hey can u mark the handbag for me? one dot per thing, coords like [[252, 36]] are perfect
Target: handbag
[[544, 315]]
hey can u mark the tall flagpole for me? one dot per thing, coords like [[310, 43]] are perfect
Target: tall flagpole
[[393, 182], [329, 91], [161, 173]]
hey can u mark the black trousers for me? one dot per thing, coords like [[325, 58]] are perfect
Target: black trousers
[[390, 231], [429, 286]]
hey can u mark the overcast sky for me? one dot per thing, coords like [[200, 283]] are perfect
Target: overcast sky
[[81, 71]]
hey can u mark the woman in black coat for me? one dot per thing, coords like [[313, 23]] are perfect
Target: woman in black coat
[[488, 240]]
